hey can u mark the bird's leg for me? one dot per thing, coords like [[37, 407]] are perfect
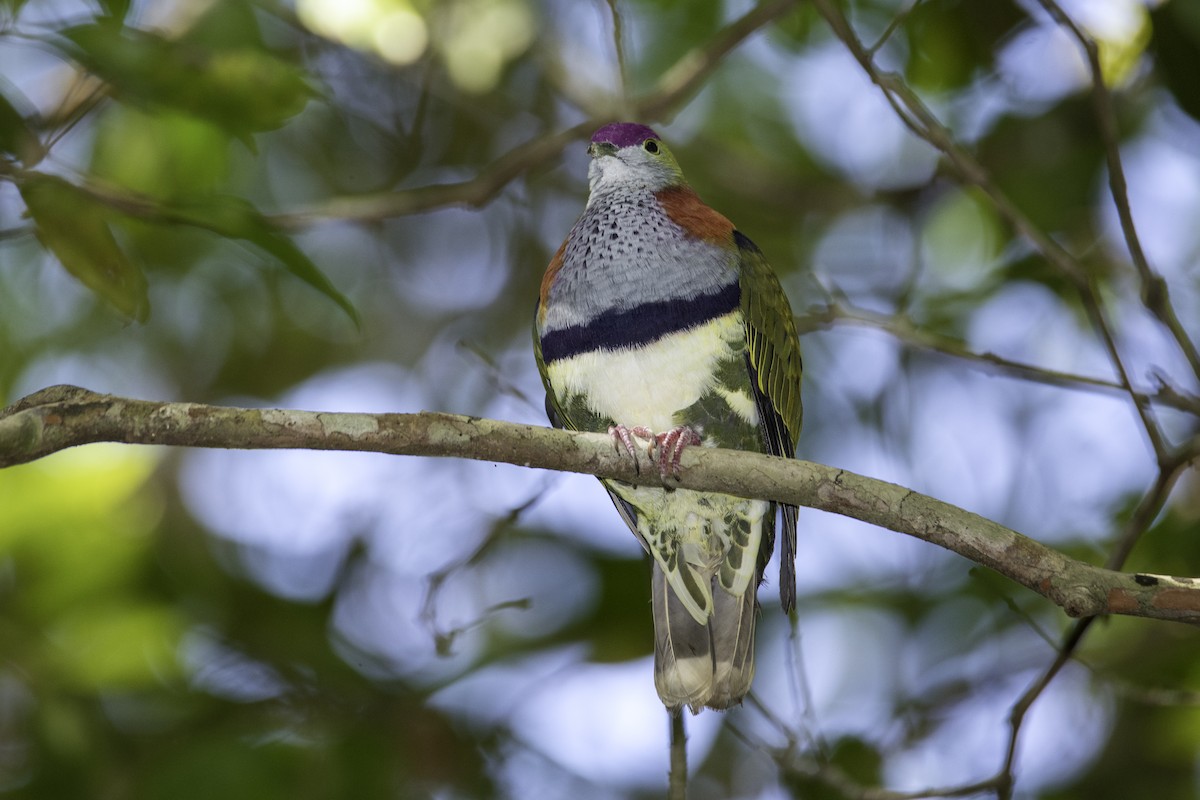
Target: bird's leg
[[623, 438], [670, 447]]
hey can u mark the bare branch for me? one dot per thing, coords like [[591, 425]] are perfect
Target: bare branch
[[793, 760], [925, 125], [65, 416], [1155, 293], [619, 48], [1143, 516], [893, 25], [476, 192], [910, 333], [845, 786], [687, 75], [674, 89], [677, 781]]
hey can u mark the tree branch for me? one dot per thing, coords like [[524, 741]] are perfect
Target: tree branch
[[1155, 293], [906, 330], [1144, 514], [924, 124], [66, 416], [843, 785], [674, 88], [688, 74], [677, 779], [475, 192]]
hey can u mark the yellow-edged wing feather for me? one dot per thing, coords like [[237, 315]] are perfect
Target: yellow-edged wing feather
[[773, 352]]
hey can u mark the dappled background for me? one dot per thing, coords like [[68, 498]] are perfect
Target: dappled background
[[231, 202]]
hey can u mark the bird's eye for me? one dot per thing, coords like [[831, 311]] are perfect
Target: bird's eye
[[651, 146]]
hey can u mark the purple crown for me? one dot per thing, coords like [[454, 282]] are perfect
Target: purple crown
[[624, 134]]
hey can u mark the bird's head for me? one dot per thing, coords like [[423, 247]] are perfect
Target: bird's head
[[629, 155]]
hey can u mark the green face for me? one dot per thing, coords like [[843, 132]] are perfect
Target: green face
[[648, 165]]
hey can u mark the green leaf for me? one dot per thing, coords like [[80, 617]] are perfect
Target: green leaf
[[13, 6], [1176, 47], [164, 155], [116, 10], [242, 89], [951, 42], [117, 645], [16, 137], [74, 227], [87, 548], [852, 756], [236, 218]]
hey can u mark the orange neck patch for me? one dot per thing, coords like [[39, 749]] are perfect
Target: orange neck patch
[[551, 271], [688, 211]]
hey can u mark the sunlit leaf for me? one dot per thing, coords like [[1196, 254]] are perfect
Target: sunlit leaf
[[75, 228], [1120, 55], [899, 671], [118, 645], [81, 549], [101, 479], [165, 155]]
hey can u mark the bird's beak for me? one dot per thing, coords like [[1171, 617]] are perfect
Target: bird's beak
[[598, 149]]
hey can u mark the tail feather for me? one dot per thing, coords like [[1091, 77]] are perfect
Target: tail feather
[[732, 631], [698, 664]]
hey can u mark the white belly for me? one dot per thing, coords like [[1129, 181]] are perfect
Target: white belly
[[649, 385]]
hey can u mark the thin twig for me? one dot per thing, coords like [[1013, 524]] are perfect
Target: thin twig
[[1089, 297], [791, 760], [16, 232], [619, 47], [924, 124], [675, 87], [1143, 516], [1155, 293], [444, 639], [913, 112], [835, 778], [678, 780], [474, 193], [910, 333], [689, 73], [893, 25], [1149, 508]]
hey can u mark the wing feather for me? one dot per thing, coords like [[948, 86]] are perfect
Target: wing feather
[[773, 353]]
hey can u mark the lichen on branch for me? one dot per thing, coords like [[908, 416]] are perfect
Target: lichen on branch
[[60, 417]]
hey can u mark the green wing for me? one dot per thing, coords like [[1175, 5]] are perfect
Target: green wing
[[773, 353], [576, 417], [552, 410]]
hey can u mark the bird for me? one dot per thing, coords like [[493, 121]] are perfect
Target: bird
[[661, 324]]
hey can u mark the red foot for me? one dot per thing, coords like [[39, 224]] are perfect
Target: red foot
[[623, 438], [670, 449]]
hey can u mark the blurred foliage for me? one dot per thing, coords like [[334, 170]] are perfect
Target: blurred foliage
[[74, 227], [229, 201]]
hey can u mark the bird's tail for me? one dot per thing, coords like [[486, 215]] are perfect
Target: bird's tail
[[702, 664]]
